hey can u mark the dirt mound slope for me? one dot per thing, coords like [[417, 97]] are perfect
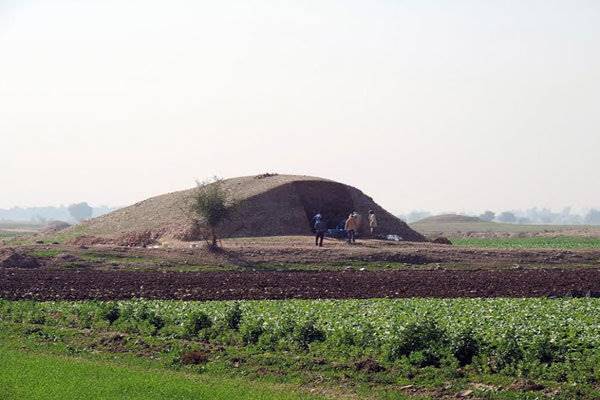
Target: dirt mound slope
[[448, 218], [62, 284], [269, 205], [11, 258], [441, 240]]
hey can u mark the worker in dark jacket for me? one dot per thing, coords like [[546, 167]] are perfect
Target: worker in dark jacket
[[320, 229]]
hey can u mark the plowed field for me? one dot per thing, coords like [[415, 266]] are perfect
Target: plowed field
[[90, 284]]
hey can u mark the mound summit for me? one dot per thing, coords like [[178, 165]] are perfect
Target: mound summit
[[268, 205]]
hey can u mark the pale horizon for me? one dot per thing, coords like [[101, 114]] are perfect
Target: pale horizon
[[445, 106]]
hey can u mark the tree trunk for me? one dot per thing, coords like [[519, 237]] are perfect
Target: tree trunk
[[214, 238]]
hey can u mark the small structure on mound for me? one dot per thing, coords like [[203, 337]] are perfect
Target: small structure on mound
[[268, 205]]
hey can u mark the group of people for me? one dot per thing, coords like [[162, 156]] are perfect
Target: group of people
[[352, 226]]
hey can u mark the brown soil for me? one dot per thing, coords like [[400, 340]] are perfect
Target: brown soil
[[254, 252], [368, 365], [103, 272], [11, 258], [442, 240], [194, 358], [89, 284]]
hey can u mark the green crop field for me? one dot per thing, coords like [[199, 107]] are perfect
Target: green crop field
[[451, 228], [369, 348], [50, 377], [538, 242]]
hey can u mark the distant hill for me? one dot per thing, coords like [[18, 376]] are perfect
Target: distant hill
[[454, 225], [448, 218]]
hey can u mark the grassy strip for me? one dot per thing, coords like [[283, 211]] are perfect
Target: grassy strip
[[539, 242], [41, 376]]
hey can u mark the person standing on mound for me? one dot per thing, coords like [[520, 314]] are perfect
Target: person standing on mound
[[314, 221], [320, 230], [372, 221], [352, 225]]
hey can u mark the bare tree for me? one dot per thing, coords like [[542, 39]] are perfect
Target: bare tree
[[211, 206]]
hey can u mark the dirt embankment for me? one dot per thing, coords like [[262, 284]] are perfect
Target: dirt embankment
[[12, 258], [85, 284], [295, 250]]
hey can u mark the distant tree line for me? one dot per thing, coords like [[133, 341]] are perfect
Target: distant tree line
[[40, 215], [541, 216]]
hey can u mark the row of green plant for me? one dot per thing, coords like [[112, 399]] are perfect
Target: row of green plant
[[536, 242], [551, 339]]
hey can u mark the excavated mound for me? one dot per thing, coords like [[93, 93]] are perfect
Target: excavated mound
[[268, 205]]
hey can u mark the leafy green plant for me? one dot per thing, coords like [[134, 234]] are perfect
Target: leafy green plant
[[307, 333], [508, 351], [418, 336], [156, 321], [465, 345], [233, 316], [111, 312], [251, 331], [196, 322]]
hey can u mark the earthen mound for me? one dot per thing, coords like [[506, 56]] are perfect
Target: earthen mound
[[442, 240], [55, 226], [268, 205], [10, 258]]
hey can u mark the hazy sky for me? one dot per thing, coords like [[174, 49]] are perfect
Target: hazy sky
[[439, 105]]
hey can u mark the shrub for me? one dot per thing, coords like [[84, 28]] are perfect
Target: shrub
[[156, 321], [508, 351], [211, 206], [547, 350], [343, 338], [307, 333], [268, 341], [196, 322], [425, 358], [111, 313], [417, 336], [465, 346], [233, 317], [252, 331]]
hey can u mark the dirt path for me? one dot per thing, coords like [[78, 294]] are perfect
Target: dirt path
[[90, 284]]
